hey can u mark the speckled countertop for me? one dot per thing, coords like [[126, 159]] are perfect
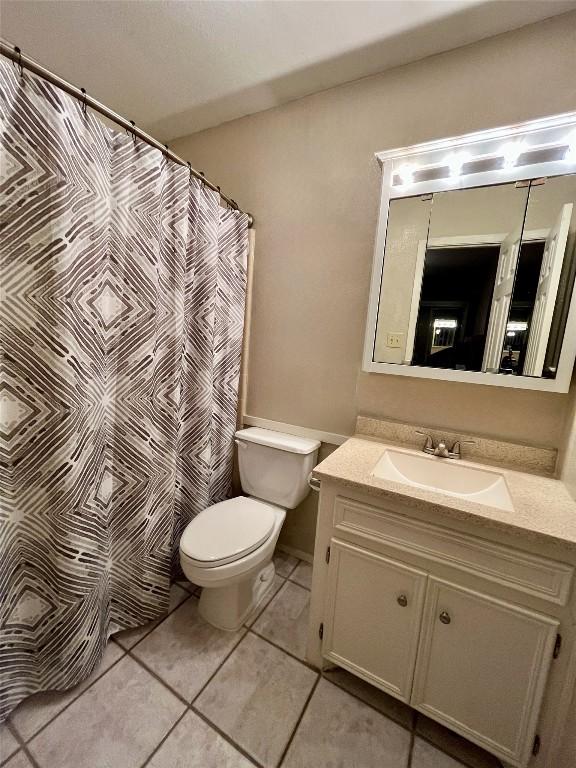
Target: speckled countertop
[[543, 508]]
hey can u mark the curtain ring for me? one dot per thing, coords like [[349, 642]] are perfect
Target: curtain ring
[[84, 105], [19, 60]]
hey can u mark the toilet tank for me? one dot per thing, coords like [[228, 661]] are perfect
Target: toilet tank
[[274, 466]]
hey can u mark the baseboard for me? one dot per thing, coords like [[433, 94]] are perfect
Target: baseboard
[[299, 553]]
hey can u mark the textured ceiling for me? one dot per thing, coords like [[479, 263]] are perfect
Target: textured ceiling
[[178, 66]]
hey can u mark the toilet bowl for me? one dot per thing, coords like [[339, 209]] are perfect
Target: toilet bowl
[[227, 549]]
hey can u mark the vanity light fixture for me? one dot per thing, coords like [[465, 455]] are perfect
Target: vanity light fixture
[[517, 325], [456, 160], [406, 173], [536, 148], [511, 152], [441, 323]]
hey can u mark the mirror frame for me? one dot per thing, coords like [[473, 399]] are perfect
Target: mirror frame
[[551, 142]]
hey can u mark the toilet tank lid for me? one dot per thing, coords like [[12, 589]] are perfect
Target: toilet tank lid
[[279, 440]]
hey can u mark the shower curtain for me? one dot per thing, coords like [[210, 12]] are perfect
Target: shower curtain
[[122, 290]]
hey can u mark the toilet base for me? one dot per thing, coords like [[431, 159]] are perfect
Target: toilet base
[[228, 607]]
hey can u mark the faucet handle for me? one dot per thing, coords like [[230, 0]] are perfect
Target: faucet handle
[[429, 444], [456, 450]]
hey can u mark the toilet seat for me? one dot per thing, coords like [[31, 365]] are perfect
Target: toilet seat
[[227, 531]]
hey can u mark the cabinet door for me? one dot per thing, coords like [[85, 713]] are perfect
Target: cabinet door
[[373, 615], [482, 666]]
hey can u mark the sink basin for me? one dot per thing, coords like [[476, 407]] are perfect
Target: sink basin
[[446, 476]]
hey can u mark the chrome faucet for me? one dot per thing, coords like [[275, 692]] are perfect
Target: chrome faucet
[[440, 449]]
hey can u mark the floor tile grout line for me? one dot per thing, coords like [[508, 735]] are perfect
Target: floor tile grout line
[[275, 596], [265, 603], [4, 761], [17, 738], [300, 718], [125, 651], [164, 739], [299, 585], [25, 742], [238, 747], [411, 729], [463, 762], [33, 762], [315, 669], [12, 728], [183, 586], [159, 621], [411, 748], [287, 576], [394, 719], [157, 677], [23, 746], [288, 653], [197, 711], [219, 667], [191, 706]]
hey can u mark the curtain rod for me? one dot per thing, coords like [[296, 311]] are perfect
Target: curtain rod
[[15, 54]]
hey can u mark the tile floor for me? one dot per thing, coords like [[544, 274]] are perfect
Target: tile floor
[[181, 694]]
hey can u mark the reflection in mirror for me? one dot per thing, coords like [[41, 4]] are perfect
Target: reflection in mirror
[[521, 306], [544, 280], [454, 308], [406, 237], [479, 279]]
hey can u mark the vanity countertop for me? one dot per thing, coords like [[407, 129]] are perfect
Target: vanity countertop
[[543, 508]]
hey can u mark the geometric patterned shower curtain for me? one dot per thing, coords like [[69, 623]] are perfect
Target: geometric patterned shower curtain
[[122, 289]]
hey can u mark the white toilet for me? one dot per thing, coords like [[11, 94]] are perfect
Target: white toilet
[[227, 549]]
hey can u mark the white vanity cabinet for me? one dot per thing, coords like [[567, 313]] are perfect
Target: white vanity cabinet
[[482, 667], [463, 629], [376, 636]]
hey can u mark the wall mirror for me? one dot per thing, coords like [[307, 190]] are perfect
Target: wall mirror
[[475, 260]]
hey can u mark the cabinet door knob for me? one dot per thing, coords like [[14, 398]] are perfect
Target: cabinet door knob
[[445, 617], [402, 600]]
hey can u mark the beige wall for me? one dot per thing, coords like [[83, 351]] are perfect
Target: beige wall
[[307, 172]]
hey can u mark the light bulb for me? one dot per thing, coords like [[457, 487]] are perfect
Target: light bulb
[[455, 161], [511, 152], [406, 173]]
